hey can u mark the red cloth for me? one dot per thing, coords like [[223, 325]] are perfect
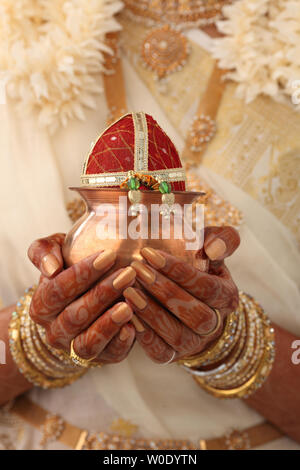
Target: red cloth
[[114, 150]]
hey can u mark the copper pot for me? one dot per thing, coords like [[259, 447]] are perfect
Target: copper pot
[[83, 239]]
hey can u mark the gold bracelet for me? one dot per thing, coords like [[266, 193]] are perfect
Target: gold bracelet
[[224, 366], [59, 354], [31, 352], [25, 366], [221, 348], [246, 362], [255, 363], [45, 353]]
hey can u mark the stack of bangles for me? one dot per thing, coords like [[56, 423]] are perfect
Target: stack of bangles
[[239, 362], [234, 366], [40, 363]]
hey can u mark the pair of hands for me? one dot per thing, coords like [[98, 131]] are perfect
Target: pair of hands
[[164, 303]]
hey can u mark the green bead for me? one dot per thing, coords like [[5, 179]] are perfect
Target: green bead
[[164, 187], [131, 183]]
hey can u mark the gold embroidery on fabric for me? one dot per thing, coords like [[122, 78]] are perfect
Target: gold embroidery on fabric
[[12, 430], [140, 142], [123, 427], [258, 152]]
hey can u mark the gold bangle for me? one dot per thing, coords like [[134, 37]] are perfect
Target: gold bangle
[[79, 361], [46, 354], [23, 363], [225, 366], [34, 355], [249, 360], [246, 389], [242, 385], [219, 349]]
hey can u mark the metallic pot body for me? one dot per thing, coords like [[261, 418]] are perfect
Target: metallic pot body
[[86, 238]]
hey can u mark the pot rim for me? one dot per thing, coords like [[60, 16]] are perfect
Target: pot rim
[[119, 190]]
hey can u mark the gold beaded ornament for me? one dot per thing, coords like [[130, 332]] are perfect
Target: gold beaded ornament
[[201, 131], [180, 14], [165, 51]]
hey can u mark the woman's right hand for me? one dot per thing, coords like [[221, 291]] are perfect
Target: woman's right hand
[[81, 302]]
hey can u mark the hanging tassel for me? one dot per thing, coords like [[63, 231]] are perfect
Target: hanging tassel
[[167, 198]]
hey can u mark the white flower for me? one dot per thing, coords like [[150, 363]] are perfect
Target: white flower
[[261, 47], [52, 54]]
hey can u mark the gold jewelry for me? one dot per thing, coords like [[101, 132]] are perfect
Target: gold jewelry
[[45, 352], [252, 367], [224, 366], [122, 437], [52, 429], [219, 320], [40, 362], [203, 126], [182, 14], [25, 355], [62, 356], [219, 349], [201, 131], [246, 364], [79, 361], [165, 51]]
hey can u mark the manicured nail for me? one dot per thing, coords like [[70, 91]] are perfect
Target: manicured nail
[[143, 272], [124, 278], [216, 249], [124, 333], [131, 294], [50, 264], [137, 324], [154, 257], [121, 313], [105, 258]]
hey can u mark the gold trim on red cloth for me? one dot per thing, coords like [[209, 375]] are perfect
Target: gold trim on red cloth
[[115, 179]]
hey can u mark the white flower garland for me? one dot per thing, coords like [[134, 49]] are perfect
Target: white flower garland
[[51, 54], [262, 46]]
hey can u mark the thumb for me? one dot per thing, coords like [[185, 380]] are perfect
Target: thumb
[[220, 242], [46, 255]]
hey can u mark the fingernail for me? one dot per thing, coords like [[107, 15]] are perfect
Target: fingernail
[[121, 313], [137, 324], [216, 249], [143, 272], [50, 264], [154, 257], [131, 294], [124, 278], [104, 259], [124, 333]]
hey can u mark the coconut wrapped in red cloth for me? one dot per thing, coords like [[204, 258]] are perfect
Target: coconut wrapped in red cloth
[[134, 143]]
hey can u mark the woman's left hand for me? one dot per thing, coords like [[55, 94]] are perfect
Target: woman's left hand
[[182, 322]]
